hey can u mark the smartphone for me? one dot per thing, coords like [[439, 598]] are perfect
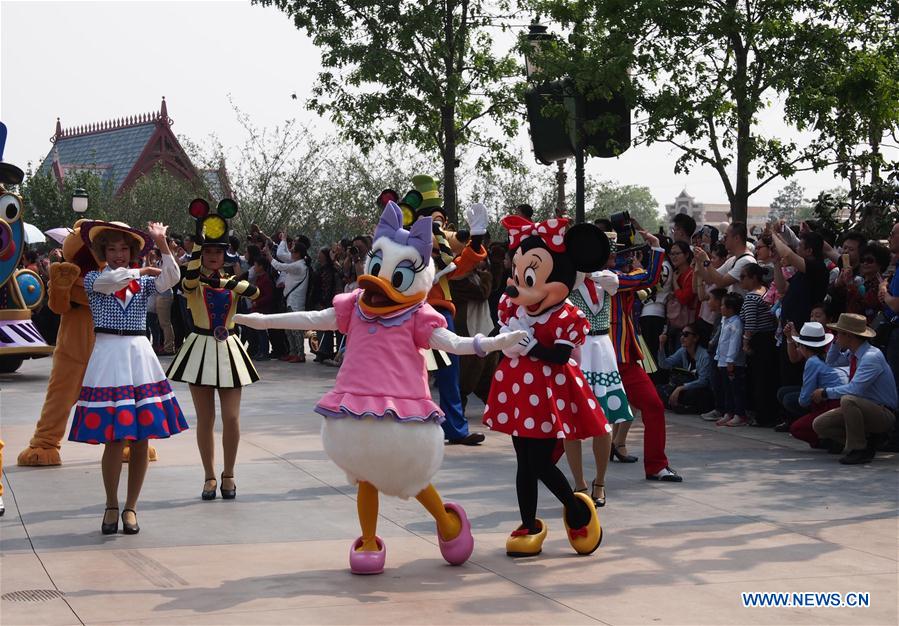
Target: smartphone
[[845, 264]]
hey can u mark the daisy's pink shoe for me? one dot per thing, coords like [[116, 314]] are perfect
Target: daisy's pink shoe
[[362, 562], [456, 551]]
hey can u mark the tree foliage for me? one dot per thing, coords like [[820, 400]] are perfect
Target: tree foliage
[[286, 178], [848, 94], [609, 197], [787, 202], [421, 74], [47, 205], [701, 72]]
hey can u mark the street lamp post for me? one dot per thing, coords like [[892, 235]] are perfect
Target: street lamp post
[[79, 201], [537, 36], [556, 138]]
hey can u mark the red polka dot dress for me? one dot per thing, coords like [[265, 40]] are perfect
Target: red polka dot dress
[[537, 399]]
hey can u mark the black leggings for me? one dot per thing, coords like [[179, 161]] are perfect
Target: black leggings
[[535, 462]]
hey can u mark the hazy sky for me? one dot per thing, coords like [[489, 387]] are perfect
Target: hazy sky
[[91, 61]]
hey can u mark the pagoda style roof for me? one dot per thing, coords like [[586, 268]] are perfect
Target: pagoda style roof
[[119, 150]]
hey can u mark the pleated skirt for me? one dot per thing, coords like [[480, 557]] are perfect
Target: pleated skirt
[[203, 360]]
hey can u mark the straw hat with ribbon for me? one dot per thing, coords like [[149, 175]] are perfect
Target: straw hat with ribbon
[[853, 324], [812, 335], [91, 230]]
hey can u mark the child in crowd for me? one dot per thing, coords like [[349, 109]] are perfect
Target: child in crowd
[[732, 362], [715, 296], [811, 345]]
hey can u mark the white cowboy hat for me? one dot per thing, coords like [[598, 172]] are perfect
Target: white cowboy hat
[[812, 335]]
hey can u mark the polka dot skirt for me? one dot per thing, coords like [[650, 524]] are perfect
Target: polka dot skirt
[[541, 400], [135, 413]]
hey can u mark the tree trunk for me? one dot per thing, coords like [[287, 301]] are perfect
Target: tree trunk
[[448, 114], [740, 201], [449, 164]]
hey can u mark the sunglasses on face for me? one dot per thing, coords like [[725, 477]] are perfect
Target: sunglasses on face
[[687, 333], [869, 259]]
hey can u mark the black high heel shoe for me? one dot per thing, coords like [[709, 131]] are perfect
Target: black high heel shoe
[[228, 494], [621, 458], [598, 502], [209, 494], [130, 529], [113, 528]]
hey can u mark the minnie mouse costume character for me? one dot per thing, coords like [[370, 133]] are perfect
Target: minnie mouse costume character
[[539, 395]]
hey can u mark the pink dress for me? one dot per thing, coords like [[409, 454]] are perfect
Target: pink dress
[[383, 373]]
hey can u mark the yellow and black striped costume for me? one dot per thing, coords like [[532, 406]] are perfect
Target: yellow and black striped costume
[[212, 355]]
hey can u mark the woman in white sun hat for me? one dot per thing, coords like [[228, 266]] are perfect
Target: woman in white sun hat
[[812, 343]]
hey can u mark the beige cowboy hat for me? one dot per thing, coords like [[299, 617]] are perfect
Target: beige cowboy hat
[[90, 231], [853, 324]]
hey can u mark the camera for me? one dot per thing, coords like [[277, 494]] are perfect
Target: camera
[[623, 226]]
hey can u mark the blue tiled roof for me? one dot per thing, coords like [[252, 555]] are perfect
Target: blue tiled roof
[[116, 151]]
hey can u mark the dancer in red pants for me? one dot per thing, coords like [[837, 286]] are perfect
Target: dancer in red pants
[[641, 393]]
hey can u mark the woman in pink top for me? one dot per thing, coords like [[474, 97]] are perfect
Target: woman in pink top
[[381, 426]]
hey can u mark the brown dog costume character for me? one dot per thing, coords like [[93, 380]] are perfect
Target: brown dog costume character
[[74, 344]]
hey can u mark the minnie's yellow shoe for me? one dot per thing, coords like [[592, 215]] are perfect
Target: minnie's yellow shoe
[[520, 543], [585, 540]]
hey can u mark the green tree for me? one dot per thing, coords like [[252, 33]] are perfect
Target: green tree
[[787, 202], [700, 73], [417, 73], [849, 97], [49, 204], [501, 190], [159, 196], [609, 197]]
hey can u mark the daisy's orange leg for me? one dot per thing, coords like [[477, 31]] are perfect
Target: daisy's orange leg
[[367, 506], [448, 523]]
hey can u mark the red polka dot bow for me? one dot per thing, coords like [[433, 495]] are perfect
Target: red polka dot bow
[[552, 231]]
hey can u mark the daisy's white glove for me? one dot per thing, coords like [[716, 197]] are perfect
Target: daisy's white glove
[[252, 320]]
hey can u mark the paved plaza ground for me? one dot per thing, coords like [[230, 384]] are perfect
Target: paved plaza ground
[[757, 512]]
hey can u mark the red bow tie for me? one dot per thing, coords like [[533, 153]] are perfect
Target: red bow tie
[[133, 287], [552, 231]]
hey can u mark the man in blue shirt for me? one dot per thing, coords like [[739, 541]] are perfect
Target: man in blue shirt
[[867, 401]]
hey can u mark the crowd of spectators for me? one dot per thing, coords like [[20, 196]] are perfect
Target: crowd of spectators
[[793, 329]]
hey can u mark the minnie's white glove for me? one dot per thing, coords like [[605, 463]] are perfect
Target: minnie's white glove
[[503, 341], [522, 346], [476, 217]]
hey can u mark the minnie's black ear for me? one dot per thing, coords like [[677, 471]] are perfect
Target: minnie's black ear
[[587, 246]]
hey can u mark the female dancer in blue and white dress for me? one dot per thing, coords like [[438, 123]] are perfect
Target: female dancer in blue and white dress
[[125, 395], [600, 367]]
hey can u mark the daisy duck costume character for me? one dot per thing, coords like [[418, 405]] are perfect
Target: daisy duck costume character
[[381, 425], [538, 395], [125, 395]]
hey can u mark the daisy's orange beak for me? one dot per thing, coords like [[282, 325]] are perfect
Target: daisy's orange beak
[[380, 298]]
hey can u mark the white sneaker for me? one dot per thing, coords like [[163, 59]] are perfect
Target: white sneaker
[[724, 419], [712, 415], [739, 420]]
